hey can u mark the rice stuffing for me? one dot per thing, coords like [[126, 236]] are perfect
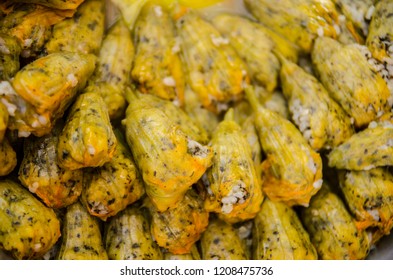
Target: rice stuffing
[[237, 195]]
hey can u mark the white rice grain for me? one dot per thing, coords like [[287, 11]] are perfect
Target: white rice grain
[[22, 133], [301, 117], [27, 43], [236, 195], [11, 108], [169, 81], [312, 166], [374, 213], [320, 31], [318, 184], [226, 208], [176, 102], [222, 106], [314, 212], [91, 150], [4, 49], [158, 11], [372, 124], [33, 188], [337, 29], [205, 181], [72, 79], [35, 124], [37, 247], [342, 18], [196, 149], [218, 40], [369, 167], [99, 208], [369, 12], [245, 230], [43, 120], [349, 178], [390, 99]]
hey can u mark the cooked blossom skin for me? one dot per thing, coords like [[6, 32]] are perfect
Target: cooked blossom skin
[[128, 236], [81, 236], [213, 69], [170, 162], [357, 87], [35, 106], [332, 229], [250, 132], [157, 67], [109, 189], [278, 234], [50, 82], [177, 115], [274, 101], [357, 12], [28, 229], [234, 188], [220, 241], [348, 33], [204, 118], [83, 33], [253, 45], [8, 158], [40, 172], [321, 120], [87, 139], [380, 35], [30, 25], [292, 170], [118, 140], [297, 20], [113, 68], [367, 149], [9, 56], [369, 196], [179, 228]]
